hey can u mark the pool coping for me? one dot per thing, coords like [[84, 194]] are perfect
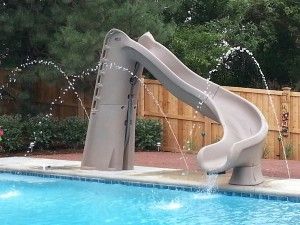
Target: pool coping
[[148, 177]]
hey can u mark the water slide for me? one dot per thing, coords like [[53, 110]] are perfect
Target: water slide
[[110, 137]]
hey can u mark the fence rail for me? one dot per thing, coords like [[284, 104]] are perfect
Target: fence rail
[[191, 129]]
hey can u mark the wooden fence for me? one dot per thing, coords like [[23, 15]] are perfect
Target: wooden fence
[[45, 94], [192, 130], [68, 105]]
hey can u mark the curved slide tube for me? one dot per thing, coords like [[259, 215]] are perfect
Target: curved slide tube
[[110, 137]]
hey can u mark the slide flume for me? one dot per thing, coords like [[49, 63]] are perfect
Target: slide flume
[[244, 126]]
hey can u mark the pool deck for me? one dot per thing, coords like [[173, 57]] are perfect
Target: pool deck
[[271, 186]]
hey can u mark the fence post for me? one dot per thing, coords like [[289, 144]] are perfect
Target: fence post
[[285, 117], [141, 99]]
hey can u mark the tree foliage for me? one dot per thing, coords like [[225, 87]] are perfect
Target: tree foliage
[[70, 33], [268, 28]]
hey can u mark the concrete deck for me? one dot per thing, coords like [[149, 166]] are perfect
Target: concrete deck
[[271, 186]]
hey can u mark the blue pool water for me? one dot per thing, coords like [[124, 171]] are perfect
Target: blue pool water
[[31, 200]]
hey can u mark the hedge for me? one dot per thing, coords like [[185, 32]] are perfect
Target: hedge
[[69, 133], [47, 133]]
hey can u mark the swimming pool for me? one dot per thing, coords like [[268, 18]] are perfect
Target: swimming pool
[[37, 200]]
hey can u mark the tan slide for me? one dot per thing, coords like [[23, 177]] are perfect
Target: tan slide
[[110, 138]]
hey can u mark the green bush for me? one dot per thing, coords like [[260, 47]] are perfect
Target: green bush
[[51, 133], [48, 133], [72, 132], [13, 137], [148, 133], [42, 130], [289, 150]]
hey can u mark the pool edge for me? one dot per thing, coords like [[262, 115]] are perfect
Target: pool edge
[[229, 190]]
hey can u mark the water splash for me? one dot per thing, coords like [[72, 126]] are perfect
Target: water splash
[[168, 205], [10, 194], [2, 3], [211, 184]]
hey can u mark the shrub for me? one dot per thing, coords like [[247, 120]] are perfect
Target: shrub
[[42, 130], [190, 145], [148, 133], [13, 137], [48, 133], [51, 133], [72, 132], [289, 150]]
